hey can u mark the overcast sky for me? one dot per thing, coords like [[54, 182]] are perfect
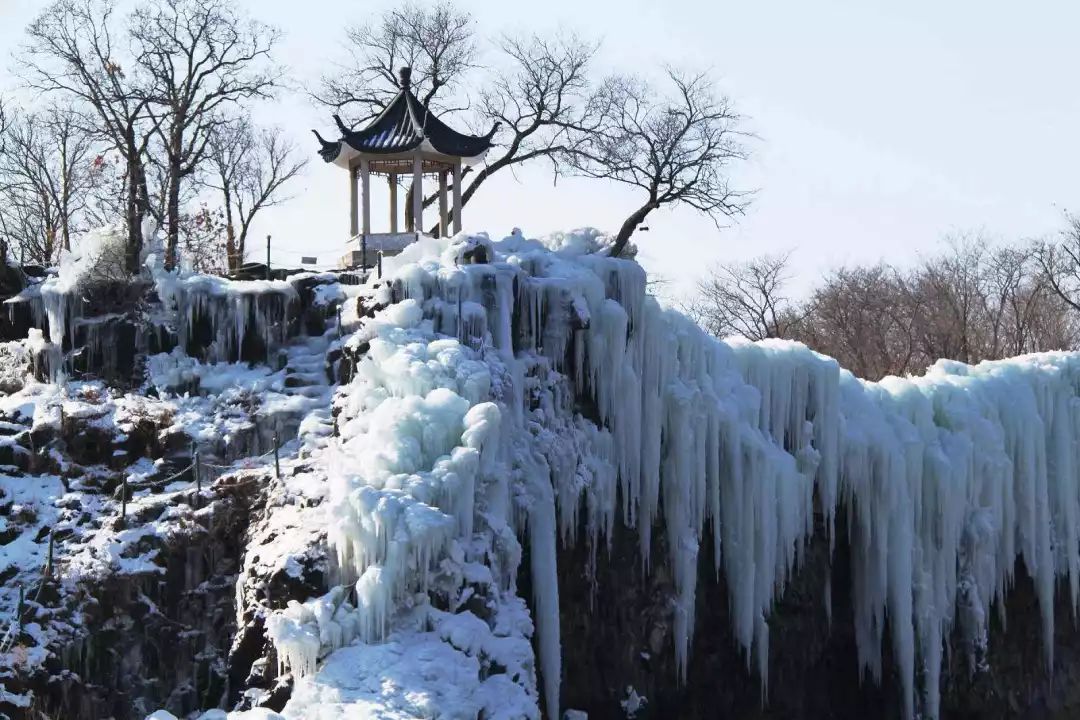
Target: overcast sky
[[883, 126]]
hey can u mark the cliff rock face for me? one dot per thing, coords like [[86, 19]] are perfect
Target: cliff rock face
[[620, 622], [508, 484]]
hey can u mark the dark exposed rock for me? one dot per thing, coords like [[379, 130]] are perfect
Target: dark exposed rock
[[155, 640], [620, 626]]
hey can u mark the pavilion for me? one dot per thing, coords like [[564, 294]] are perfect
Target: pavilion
[[407, 137]]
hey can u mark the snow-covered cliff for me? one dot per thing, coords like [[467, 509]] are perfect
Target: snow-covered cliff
[[519, 399], [487, 404]]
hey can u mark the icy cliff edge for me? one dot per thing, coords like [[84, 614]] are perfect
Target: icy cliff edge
[[510, 392]]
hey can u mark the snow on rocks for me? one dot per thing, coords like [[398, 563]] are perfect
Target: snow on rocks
[[98, 256], [506, 387]]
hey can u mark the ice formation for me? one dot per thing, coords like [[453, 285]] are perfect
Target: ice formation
[[209, 317], [219, 316], [501, 400]]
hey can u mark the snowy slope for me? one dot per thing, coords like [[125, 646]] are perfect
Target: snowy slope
[[518, 399]]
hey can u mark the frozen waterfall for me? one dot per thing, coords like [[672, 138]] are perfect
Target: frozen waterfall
[[500, 401]]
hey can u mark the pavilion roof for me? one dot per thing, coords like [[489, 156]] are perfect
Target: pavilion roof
[[405, 125]]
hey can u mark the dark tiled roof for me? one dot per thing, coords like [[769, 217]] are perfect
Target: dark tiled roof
[[403, 126]]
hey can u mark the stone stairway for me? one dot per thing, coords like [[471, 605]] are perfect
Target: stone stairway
[[308, 373]]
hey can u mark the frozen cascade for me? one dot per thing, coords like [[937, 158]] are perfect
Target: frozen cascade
[[216, 319], [226, 320], [505, 399]]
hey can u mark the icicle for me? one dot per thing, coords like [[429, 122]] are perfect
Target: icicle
[[545, 582]]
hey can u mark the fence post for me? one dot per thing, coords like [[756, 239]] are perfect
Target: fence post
[[49, 560], [198, 480], [277, 462]]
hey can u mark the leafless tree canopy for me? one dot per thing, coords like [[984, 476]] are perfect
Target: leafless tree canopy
[[864, 317], [149, 93], [972, 301], [1060, 261], [533, 90], [436, 41], [676, 149], [249, 168], [76, 50], [46, 173], [747, 299], [197, 58], [537, 102]]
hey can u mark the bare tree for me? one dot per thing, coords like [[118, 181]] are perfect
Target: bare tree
[[981, 301], [5, 243], [971, 301], [748, 299], [865, 318], [228, 160], [250, 169], [436, 41], [45, 175], [1025, 314], [535, 105], [677, 149], [530, 102], [198, 57], [953, 285], [1060, 262], [72, 50]]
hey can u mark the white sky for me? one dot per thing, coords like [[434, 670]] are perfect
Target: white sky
[[883, 126]]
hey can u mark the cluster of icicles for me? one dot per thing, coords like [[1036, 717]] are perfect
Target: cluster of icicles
[[947, 479], [211, 314], [231, 310]]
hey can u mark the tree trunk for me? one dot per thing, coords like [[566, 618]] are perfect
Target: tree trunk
[[65, 198], [133, 205], [241, 243], [233, 258], [630, 225], [172, 215], [172, 198]]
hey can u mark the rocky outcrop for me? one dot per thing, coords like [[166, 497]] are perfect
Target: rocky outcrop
[[156, 639]]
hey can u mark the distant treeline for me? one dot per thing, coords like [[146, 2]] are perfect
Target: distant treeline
[[972, 300]]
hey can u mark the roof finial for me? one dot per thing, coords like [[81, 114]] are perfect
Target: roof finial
[[405, 73]]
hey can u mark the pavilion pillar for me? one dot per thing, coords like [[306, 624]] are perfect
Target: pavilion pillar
[[393, 202], [457, 196], [418, 193], [354, 213], [365, 186], [444, 218]]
